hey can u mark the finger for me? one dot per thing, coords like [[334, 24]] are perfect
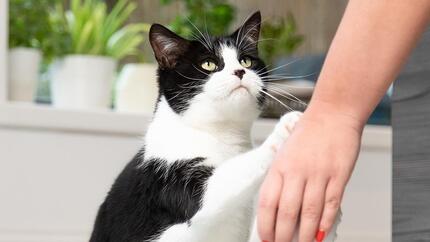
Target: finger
[[313, 202], [289, 209], [267, 205], [333, 198]]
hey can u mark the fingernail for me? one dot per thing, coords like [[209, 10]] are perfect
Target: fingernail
[[320, 235]]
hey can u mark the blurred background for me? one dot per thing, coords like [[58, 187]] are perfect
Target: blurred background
[[78, 87]]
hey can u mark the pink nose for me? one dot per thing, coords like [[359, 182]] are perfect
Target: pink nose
[[239, 73]]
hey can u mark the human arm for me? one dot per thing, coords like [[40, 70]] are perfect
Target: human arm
[[308, 177]]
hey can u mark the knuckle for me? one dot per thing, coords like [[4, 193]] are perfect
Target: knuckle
[[288, 213], [311, 212], [333, 203], [266, 203]]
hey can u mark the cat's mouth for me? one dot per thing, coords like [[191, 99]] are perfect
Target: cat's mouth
[[240, 88]]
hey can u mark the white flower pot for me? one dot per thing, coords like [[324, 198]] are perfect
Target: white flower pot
[[82, 82], [23, 73], [137, 89]]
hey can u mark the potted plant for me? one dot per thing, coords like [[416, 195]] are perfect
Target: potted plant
[[279, 38], [213, 16], [89, 41], [136, 88], [27, 29]]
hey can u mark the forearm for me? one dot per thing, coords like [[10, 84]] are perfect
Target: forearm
[[369, 49]]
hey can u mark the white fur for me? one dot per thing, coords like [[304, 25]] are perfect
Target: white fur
[[217, 126]]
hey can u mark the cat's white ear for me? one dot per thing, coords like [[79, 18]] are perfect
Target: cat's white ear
[[250, 30], [167, 46]]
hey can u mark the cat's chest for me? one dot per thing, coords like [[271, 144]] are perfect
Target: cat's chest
[[175, 143]]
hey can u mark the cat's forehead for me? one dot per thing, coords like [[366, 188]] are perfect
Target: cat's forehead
[[224, 42], [240, 46]]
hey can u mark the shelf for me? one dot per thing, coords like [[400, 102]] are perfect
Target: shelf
[[39, 117]]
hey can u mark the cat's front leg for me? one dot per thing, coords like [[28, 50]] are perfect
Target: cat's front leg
[[225, 213], [243, 174]]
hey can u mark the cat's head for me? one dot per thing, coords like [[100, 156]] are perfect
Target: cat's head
[[211, 77]]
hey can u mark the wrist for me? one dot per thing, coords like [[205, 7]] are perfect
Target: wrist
[[332, 114]]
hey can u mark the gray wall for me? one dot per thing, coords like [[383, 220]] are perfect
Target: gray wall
[[317, 19]]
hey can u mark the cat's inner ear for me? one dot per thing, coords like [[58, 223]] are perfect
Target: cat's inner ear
[[250, 31], [167, 46]]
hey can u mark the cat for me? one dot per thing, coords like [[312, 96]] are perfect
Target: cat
[[197, 177]]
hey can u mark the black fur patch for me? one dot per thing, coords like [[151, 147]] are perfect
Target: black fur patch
[[147, 199]]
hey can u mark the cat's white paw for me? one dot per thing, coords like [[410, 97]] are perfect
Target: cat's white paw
[[282, 130]]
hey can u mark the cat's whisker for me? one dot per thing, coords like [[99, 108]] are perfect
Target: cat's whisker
[[207, 33], [286, 77], [199, 70], [240, 29], [201, 41], [254, 27], [290, 96], [279, 67], [249, 46], [280, 102], [195, 79], [203, 36], [190, 87], [247, 32], [179, 93], [288, 86]]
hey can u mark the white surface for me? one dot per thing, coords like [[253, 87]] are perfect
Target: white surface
[[4, 20], [23, 73], [137, 89], [83, 82], [38, 117], [56, 167]]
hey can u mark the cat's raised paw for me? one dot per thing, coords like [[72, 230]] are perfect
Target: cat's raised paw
[[282, 130], [289, 120]]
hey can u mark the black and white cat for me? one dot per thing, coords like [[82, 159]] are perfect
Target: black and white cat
[[197, 176]]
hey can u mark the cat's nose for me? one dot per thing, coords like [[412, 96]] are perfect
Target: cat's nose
[[239, 73]]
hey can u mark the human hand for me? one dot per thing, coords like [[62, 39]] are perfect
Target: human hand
[[308, 177]]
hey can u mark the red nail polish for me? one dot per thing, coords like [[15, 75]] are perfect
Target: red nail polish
[[320, 236]]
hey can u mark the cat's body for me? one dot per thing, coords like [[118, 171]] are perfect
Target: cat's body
[[197, 176]]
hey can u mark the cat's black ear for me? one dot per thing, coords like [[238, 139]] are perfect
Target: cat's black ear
[[250, 30], [167, 45]]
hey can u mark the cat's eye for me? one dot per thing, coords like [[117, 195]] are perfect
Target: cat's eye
[[246, 62], [209, 65]]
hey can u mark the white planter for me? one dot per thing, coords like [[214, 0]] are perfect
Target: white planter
[[82, 82], [137, 89], [23, 73]]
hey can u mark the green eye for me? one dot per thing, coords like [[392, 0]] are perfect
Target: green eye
[[246, 62], [209, 65]]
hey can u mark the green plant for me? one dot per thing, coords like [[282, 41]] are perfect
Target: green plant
[[88, 28], [278, 38], [28, 26], [213, 16]]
